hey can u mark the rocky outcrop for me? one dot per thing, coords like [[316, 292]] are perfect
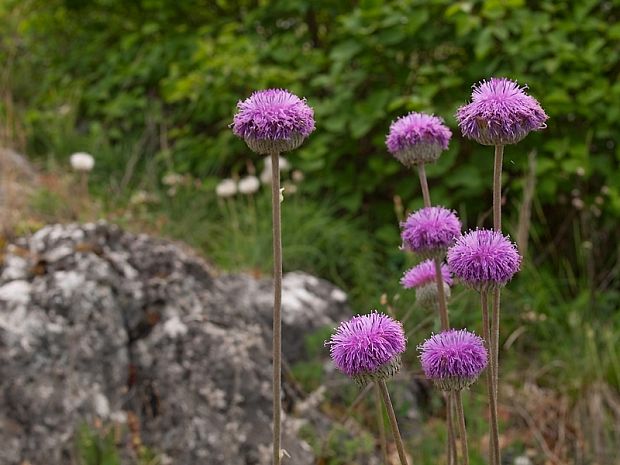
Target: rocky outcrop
[[101, 326]]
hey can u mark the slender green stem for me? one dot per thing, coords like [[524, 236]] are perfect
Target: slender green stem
[[424, 185], [277, 304], [450, 423], [441, 297], [495, 315], [382, 436], [460, 413], [393, 423], [495, 340], [494, 455], [497, 187]]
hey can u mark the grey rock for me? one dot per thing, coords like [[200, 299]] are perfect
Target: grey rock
[[98, 325]]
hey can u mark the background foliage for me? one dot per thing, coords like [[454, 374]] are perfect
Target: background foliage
[[160, 79], [150, 86]]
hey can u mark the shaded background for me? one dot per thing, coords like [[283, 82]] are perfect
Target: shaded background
[[149, 88]]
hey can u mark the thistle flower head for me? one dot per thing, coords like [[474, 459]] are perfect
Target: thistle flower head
[[500, 113], [423, 279], [273, 120], [430, 231], [484, 259], [368, 347], [417, 138], [453, 359], [424, 273]]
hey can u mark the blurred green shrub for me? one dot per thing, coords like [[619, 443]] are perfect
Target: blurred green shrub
[[163, 77]]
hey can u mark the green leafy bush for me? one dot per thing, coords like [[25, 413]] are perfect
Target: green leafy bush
[[167, 75]]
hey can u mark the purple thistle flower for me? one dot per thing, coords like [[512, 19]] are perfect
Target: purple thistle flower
[[453, 359], [422, 277], [273, 120], [368, 347], [430, 231], [500, 113], [424, 273], [417, 138], [484, 259]]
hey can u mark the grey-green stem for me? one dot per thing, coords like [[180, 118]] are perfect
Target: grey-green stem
[[382, 436], [277, 305], [495, 315], [494, 455], [424, 185], [450, 423], [460, 413], [393, 423]]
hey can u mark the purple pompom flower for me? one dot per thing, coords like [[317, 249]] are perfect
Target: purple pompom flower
[[500, 113], [273, 120], [424, 273], [453, 359], [417, 138], [430, 231], [484, 259], [368, 347], [423, 279]]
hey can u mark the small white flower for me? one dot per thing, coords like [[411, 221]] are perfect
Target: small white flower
[[82, 161], [297, 176], [249, 185], [281, 194], [290, 187], [265, 176], [226, 188], [141, 197], [172, 179], [283, 164]]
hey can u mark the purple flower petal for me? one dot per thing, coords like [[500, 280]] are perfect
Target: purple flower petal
[[500, 113], [273, 116], [417, 138], [365, 343], [424, 273], [456, 357], [484, 259], [430, 230]]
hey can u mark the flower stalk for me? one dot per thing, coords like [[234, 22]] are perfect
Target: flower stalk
[[393, 423], [277, 306], [460, 414], [497, 225], [381, 425], [494, 455]]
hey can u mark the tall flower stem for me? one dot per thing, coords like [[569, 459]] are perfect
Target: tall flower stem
[[424, 185], [393, 423], [462, 429], [497, 225], [451, 434], [443, 313], [382, 436], [494, 456], [277, 305], [441, 297], [497, 188]]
